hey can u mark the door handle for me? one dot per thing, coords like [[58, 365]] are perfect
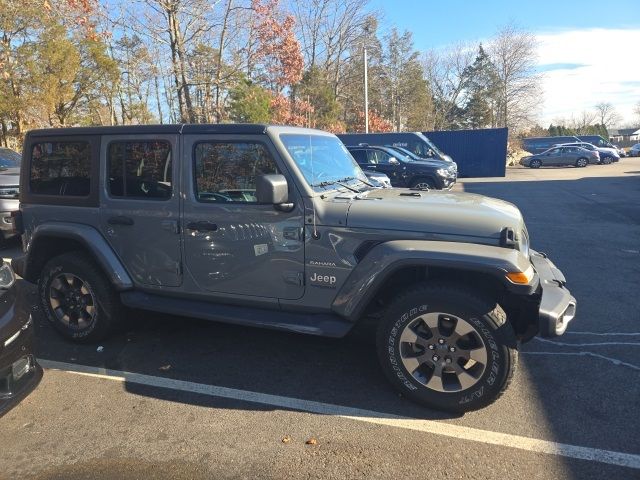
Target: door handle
[[120, 220], [202, 226]]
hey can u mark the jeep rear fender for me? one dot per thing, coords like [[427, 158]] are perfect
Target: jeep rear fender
[[386, 258], [92, 241]]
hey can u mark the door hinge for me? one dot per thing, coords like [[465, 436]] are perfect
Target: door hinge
[[293, 278], [292, 233], [171, 226]]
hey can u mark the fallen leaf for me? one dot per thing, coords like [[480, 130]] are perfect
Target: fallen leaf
[[164, 368], [311, 441], [286, 439]]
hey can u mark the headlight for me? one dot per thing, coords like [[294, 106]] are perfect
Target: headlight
[[7, 278], [9, 192], [442, 172]]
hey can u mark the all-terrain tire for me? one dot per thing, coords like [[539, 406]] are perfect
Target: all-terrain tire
[[487, 324], [98, 295]]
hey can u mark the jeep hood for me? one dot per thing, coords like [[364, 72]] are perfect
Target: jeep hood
[[435, 212]]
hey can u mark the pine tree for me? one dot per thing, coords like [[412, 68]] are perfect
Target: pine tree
[[481, 84]]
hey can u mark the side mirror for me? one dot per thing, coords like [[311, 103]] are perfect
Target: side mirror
[[272, 189], [394, 161]]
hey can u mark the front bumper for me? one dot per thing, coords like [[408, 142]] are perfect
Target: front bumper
[[20, 373], [557, 305]]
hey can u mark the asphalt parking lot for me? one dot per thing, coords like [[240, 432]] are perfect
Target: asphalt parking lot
[[179, 398]]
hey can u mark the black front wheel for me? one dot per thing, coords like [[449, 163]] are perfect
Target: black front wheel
[[77, 298], [535, 163], [446, 347], [423, 184]]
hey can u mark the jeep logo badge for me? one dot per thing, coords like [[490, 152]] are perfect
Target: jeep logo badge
[[323, 280]]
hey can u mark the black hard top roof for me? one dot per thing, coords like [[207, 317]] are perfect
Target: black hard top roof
[[225, 128]]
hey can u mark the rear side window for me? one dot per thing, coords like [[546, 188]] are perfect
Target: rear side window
[[140, 169], [60, 168], [226, 172]]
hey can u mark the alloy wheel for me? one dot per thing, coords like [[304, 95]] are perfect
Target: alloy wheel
[[443, 352], [72, 301]]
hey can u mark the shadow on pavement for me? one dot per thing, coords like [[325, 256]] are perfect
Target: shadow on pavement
[[587, 226]]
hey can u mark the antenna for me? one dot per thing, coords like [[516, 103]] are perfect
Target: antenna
[[315, 233]]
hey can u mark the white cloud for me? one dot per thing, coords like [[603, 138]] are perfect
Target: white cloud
[[585, 67]]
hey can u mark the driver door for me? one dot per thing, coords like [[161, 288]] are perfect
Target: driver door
[[381, 161], [233, 244]]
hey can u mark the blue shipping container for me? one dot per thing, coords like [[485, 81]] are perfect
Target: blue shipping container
[[478, 153]]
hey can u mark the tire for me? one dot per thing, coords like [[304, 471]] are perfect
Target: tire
[[606, 161], [582, 162], [77, 298], [425, 183], [535, 163], [475, 368]]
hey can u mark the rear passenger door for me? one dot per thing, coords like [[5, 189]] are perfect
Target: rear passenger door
[[140, 207]]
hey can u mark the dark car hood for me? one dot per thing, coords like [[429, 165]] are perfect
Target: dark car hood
[[434, 212]]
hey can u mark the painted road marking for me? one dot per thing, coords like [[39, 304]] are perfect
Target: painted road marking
[[427, 426]]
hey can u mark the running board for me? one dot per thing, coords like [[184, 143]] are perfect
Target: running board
[[326, 325]]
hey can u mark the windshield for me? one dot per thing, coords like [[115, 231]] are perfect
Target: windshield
[[9, 158], [323, 160], [429, 145]]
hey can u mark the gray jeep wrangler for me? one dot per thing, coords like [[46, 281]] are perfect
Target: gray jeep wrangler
[[278, 227]]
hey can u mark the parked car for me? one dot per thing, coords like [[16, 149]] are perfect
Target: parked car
[[415, 157], [128, 216], [416, 142], [634, 151], [20, 373], [378, 179], [403, 171], [607, 155], [558, 156], [9, 191], [537, 145]]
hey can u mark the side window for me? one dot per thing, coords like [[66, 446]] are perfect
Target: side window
[[360, 156], [373, 157], [226, 172], [60, 168], [383, 158], [140, 169], [555, 151]]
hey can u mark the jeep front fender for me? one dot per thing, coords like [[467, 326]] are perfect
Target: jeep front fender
[[386, 258], [91, 239]]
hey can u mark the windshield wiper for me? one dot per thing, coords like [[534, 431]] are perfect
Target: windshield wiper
[[340, 182]]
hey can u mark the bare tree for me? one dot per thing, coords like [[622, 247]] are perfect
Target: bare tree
[[636, 111], [607, 114], [513, 53], [444, 71]]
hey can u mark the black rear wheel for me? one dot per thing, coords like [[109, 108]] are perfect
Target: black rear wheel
[[445, 347], [77, 298], [582, 162]]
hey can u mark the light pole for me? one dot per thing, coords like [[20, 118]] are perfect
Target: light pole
[[366, 93]]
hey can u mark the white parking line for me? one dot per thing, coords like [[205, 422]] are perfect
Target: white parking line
[[368, 416], [593, 344], [615, 361]]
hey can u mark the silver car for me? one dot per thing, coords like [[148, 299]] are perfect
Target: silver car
[[562, 156], [9, 189]]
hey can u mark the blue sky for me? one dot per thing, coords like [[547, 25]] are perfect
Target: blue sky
[[588, 49]]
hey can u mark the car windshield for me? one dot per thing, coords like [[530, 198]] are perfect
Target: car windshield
[[323, 160], [429, 145], [9, 159]]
